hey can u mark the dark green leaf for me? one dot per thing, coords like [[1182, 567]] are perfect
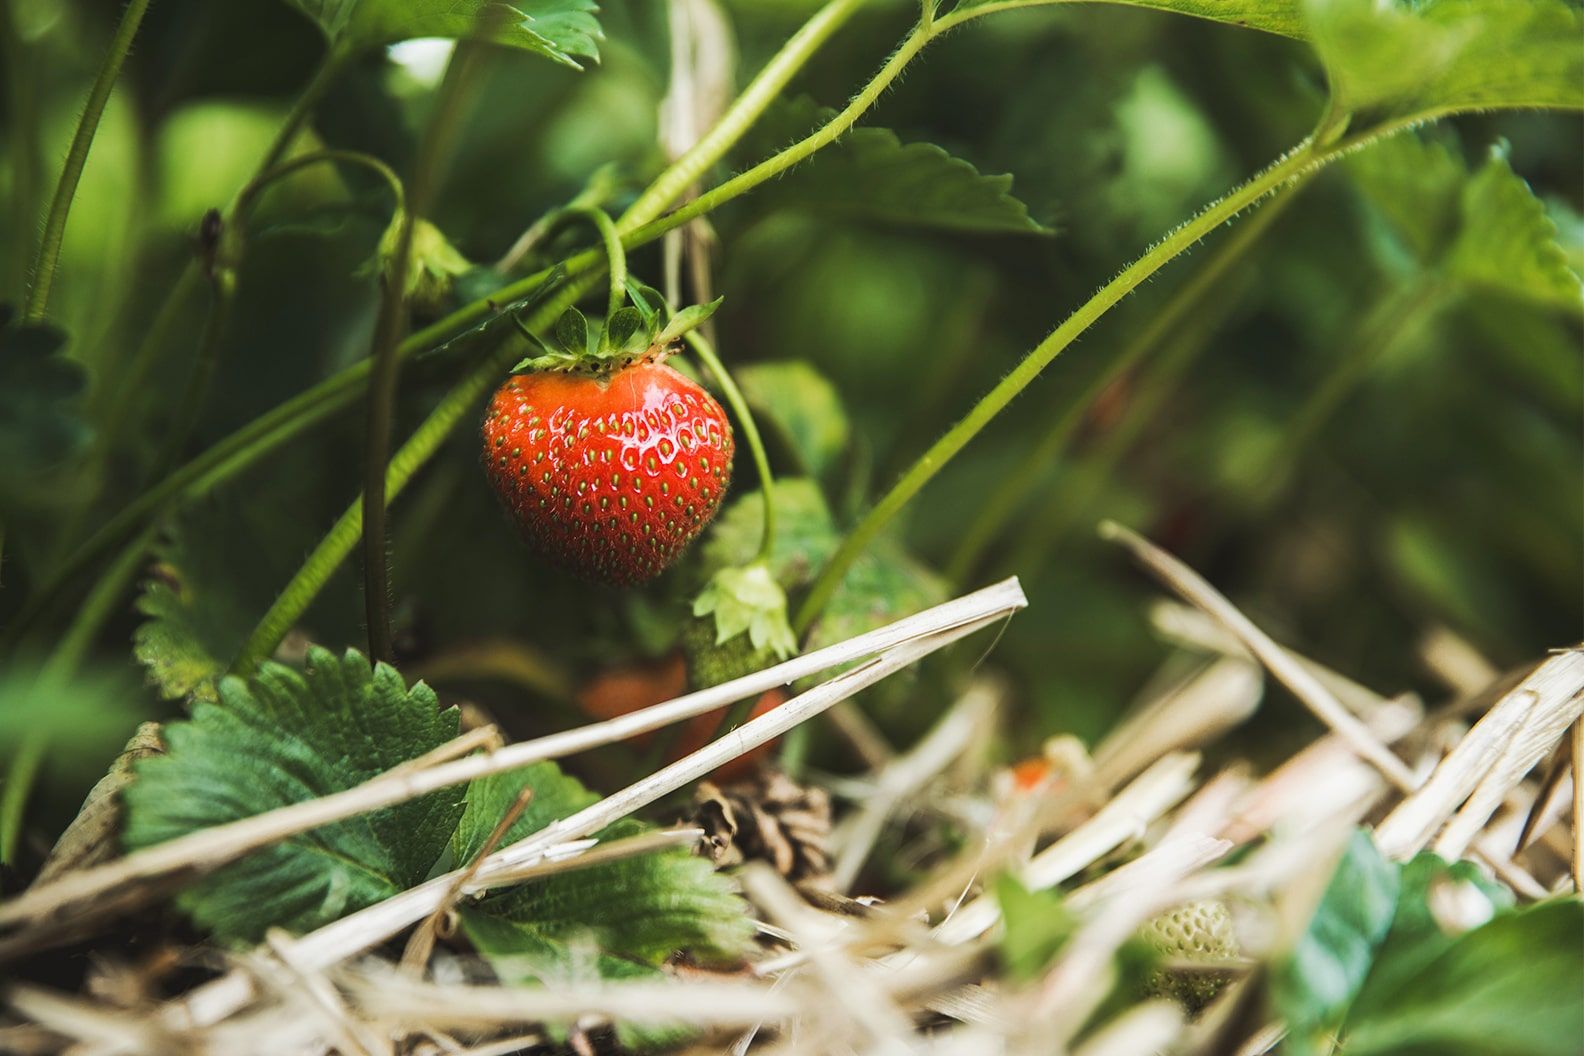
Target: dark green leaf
[[1508, 988], [797, 401], [1415, 182], [40, 425], [870, 174], [1395, 59], [1313, 987], [562, 30], [286, 737]]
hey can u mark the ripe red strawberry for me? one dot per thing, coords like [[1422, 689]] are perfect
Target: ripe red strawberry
[[611, 476]]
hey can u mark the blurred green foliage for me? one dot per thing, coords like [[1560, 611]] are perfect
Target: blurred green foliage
[[1375, 431]]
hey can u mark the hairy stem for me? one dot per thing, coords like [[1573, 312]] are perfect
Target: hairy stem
[[734, 397], [48, 259], [744, 111], [943, 450], [1008, 497]]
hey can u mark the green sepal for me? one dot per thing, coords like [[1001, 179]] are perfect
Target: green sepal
[[690, 318], [748, 598], [625, 331], [572, 333]]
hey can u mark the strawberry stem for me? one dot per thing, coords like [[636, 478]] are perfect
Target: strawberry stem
[[48, 259], [734, 397], [615, 252]]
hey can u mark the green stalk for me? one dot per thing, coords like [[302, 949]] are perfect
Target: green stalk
[[1006, 500], [734, 398], [19, 779], [1288, 168], [744, 111], [385, 374], [48, 259], [328, 69]]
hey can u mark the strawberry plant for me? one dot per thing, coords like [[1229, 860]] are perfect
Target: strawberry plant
[[416, 416]]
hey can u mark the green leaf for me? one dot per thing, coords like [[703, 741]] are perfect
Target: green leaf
[[798, 402], [1416, 938], [1273, 16], [870, 174], [1485, 230], [218, 566], [41, 428], [1036, 925], [555, 795], [1508, 988], [805, 539], [748, 600], [1416, 184], [286, 737], [1508, 242], [1313, 987], [1396, 60], [883, 585], [562, 30], [605, 921]]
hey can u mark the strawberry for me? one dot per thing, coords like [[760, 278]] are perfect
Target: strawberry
[[626, 689], [610, 474]]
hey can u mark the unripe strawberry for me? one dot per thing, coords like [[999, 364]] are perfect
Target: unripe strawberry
[[1194, 931], [611, 476], [710, 664]]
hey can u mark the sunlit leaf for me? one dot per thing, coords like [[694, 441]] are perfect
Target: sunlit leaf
[[562, 30], [1394, 59], [607, 921], [1273, 16]]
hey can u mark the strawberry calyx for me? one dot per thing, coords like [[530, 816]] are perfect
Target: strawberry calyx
[[643, 331], [747, 599]]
